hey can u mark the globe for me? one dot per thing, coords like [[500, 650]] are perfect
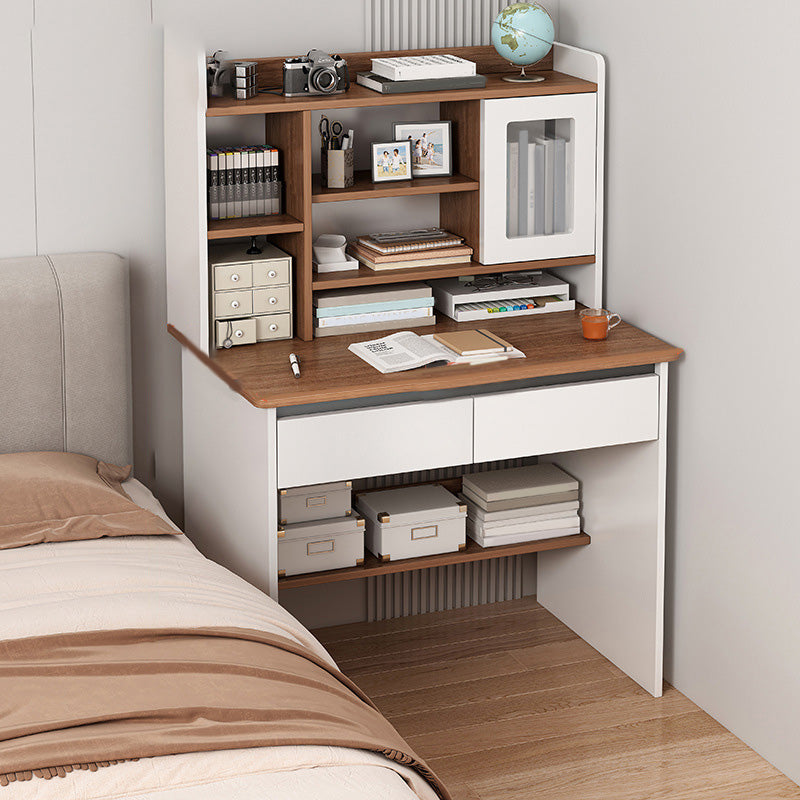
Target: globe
[[523, 34]]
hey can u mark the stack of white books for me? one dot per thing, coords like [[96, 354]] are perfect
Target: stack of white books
[[522, 504]]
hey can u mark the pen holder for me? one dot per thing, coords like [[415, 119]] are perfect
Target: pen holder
[[337, 168]]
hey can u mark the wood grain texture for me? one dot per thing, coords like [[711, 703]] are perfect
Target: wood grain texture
[[364, 189], [270, 70], [365, 276], [553, 344], [291, 134], [253, 226], [472, 552], [360, 97], [550, 719]]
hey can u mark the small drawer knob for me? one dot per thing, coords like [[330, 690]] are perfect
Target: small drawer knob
[[239, 334], [273, 327], [235, 278], [273, 300], [272, 274], [234, 304]]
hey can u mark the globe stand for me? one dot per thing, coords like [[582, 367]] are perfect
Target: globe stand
[[522, 77]]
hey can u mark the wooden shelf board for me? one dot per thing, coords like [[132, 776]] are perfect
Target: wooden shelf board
[[553, 344], [473, 552], [364, 276], [359, 96], [364, 189], [253, 226]]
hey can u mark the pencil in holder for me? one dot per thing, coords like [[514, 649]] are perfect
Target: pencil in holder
[[337, 168]]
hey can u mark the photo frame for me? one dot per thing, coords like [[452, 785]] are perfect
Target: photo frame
[[391, 161], [431, 146]]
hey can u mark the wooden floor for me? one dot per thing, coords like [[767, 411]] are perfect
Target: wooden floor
[[504, 702]]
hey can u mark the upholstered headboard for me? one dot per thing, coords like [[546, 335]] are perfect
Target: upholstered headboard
[[65, 355]]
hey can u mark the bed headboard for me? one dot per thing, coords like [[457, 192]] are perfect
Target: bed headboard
[[65, 355]]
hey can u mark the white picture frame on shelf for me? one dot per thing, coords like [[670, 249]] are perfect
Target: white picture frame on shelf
[[431, 146], [391, 161]]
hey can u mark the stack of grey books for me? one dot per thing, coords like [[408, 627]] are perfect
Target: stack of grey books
[[521, 504]]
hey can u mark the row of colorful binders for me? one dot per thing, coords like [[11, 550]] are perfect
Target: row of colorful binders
[[243, 182]]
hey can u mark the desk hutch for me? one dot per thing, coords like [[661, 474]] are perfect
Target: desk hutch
[[598, 409]]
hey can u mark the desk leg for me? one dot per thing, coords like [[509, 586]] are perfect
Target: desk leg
[[611, 593], [230, 477]]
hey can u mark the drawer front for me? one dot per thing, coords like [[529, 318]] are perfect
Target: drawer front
[[271, 273], [233, 304], [268, 301], [236, 276], [242, 331], [374, 441], [273, 326], [296, 556], [555, 419]]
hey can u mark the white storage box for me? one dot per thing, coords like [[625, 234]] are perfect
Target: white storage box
[[320, 501], [320, 545], [413, 521]]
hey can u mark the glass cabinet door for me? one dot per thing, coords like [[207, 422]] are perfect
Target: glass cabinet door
[[538, 177]]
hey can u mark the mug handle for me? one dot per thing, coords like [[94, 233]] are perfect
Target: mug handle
[[613, 325]]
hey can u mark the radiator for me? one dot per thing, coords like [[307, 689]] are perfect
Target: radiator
[[413, 24], [422, 591]]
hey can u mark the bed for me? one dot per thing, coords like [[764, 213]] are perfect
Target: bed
[[67, 389]]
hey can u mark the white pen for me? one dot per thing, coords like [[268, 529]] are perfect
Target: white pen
[[295, 364]]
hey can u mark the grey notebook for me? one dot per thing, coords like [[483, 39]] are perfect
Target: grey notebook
[[368, 294], [521, 502], [509, 484], [390, 325]]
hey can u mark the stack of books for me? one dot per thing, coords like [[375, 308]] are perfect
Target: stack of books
[[539, 188], [430, 247], [435, 72], [243, 182], [372, 308], [522, 504]]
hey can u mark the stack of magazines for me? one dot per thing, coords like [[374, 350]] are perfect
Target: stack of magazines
[[522, 504], [427, 247]]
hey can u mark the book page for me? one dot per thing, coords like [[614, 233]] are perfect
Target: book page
[[400, 351]]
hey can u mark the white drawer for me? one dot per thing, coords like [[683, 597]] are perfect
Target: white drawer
[[270, 273], [233, 304], [341, 445], [555, 419], [273, 326], [237, 276], [242, 331], [268, 301]]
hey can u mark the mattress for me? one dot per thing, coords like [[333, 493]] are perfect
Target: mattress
[[163, 582]]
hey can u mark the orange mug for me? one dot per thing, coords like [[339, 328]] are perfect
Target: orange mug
[[596, 323]]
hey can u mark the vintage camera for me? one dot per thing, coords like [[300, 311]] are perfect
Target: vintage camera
[[316, 73]]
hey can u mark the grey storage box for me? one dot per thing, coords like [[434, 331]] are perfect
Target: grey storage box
[[320, 545], [320, 501], [413, 521]]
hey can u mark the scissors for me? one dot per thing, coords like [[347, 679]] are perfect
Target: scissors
[[331, 133]]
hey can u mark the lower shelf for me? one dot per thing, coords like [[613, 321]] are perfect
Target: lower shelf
[[473, 552]]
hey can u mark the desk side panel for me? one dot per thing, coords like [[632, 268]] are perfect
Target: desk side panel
[[230, 487], [611, 593]]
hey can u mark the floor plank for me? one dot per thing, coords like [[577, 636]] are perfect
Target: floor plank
[[506, 703]]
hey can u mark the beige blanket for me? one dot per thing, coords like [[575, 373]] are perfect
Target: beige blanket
[[92, 698]]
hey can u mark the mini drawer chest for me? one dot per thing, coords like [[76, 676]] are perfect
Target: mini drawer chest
[[251, 294]]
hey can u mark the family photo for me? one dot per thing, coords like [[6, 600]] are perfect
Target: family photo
[[391, 161], [429, 143]]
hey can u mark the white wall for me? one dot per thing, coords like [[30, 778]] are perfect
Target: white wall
[[702, 206]]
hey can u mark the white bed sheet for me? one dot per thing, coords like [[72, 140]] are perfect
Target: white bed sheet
[[164, 581]]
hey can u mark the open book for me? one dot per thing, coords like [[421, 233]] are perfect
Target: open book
[[406, 350]]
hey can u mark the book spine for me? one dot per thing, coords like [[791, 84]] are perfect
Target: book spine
[[380, 316], [276, 181], [252, 182], [512, 202], [229, 184], [372, 308], [538, 190], [531, 209], [559, 185], [522, 189], [549, 163], [213, 184], [261, 181]]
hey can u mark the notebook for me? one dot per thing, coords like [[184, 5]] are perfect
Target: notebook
[[473, 343]]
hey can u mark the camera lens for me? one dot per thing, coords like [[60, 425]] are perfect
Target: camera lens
[[324, 80]]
